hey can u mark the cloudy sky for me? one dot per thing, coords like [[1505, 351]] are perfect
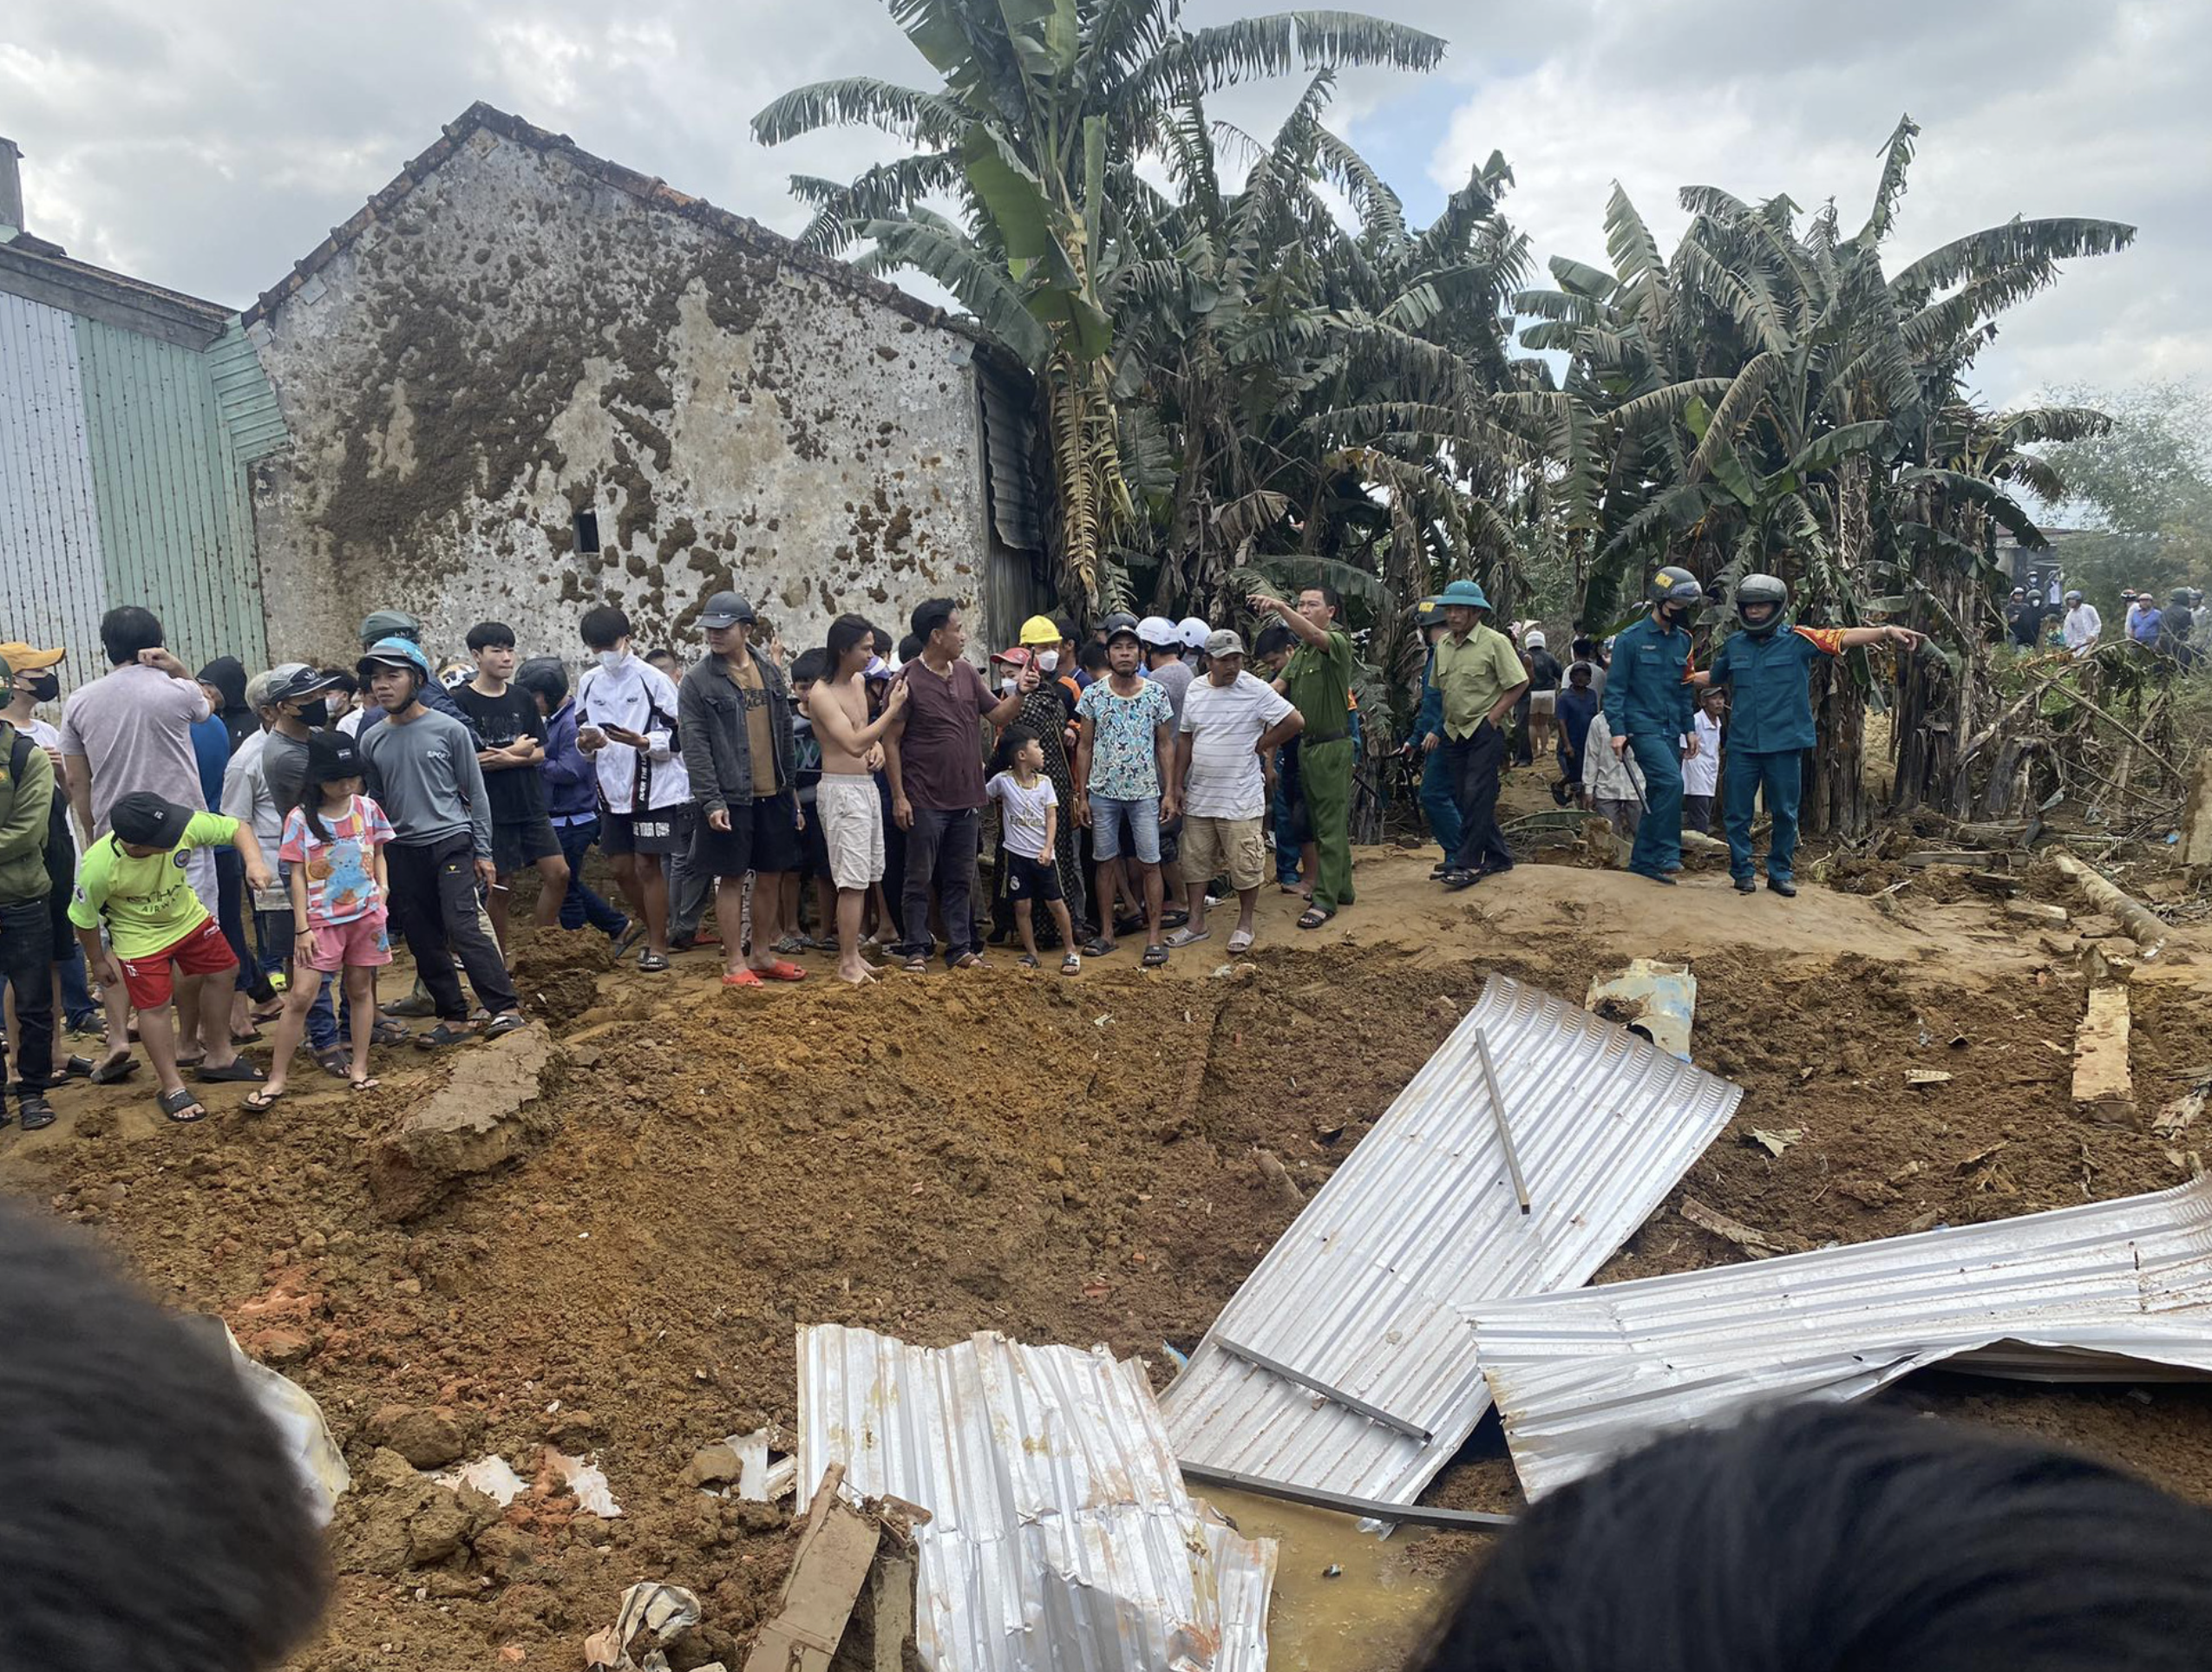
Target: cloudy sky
[[205, 145]]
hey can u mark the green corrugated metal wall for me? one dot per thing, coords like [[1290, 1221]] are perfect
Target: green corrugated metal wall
[[169, 474]]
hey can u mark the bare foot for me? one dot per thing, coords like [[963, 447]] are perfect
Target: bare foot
[[859, 976]]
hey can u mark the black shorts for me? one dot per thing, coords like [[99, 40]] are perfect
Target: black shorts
[[814, 846], [664, 830], [523, 843], [1031, 879], [763, 836]]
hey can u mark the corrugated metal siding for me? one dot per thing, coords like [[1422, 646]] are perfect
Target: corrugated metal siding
[[245, 397], [2096, 1292], [176, 534], [1061, 1538], [49, 517], [1009, 436], [1359, 1295]]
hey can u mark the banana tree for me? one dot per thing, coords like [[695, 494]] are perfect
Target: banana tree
[[1044, 110]]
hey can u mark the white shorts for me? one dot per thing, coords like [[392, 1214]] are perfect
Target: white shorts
[[851, 811], [1543, 702]]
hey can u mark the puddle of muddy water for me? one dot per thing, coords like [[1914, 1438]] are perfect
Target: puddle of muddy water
[[1369, 1618]]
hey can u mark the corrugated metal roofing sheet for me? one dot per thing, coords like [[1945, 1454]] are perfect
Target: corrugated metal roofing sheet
[[50, 514], [1062, 1538], [245, 397], [2096, 1292], [1360, 1293]]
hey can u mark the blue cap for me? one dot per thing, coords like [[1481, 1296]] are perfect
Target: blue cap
[[1465, 593], [392, 653]]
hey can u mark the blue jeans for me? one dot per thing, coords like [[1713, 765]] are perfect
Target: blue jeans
[[1285, 814], [1658, 837], [1140, 812], [580, 906], [1436, 802], [1780, 773]]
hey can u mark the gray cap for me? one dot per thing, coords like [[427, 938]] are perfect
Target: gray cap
[[389, 623], [1223, 642], [726, 609], [301, 683]]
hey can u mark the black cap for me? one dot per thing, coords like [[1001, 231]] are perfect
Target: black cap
[[726, 609], [331, 754], [144, 819], [301, 683]]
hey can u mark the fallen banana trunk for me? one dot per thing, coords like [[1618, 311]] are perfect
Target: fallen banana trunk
[[2142, 927]]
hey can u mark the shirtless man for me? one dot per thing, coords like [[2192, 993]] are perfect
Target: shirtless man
[[845, 800]]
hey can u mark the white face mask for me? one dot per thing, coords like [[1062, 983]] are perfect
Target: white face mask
[[1048, 661], [1009, 683], [611, 660]]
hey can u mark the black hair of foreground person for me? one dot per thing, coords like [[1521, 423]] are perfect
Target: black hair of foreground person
[[1826, 1539], [148, 1519]]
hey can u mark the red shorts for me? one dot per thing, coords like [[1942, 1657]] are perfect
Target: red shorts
[[203, 952], [360, 943]]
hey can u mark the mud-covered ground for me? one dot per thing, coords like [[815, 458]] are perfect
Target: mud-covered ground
[[1073, 1160]]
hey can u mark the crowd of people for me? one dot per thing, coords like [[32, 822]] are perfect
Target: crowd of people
[[188, 859]]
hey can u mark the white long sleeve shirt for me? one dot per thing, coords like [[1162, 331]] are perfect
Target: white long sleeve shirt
[[2081, 627], [1607, 776], [1701, 771], [639, 697]]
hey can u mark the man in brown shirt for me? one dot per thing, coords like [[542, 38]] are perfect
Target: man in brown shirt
[[934, 755], [734, 715]]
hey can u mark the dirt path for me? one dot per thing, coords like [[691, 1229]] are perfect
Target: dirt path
[[1061, 1160]]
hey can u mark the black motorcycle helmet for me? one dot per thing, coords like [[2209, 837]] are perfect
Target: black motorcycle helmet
[[1678, 586], [1758, 590]]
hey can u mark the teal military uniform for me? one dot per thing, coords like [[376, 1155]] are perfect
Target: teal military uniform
[[1770, 726], [1647, 701]]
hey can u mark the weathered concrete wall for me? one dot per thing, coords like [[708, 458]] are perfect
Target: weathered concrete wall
[[518, 339]]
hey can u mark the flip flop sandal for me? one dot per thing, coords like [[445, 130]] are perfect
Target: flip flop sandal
[[36, 1114], [782, 970], [251, 1037], [1098, 947], [1239, 943], [262, 1101], [336, 1063], [1028, 962], [1314, 918], [79, 1067], [789, 945], [652, 964], [185, 1063], [437, 1039], [1189, 937], [111, 1069], [1174, 920], [1154, 956], [237, 1070], [969, 961], [367, 1084], [174, 1104], [741, 978], [628, 939], [388, 1032], [916, 965], [1456, 880], [505, 1022], [1071, 965]]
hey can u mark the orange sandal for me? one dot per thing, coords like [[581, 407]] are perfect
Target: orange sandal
[[782, 970], [740, 978]]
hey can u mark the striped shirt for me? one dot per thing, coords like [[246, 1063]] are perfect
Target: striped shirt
[[1224, 724]]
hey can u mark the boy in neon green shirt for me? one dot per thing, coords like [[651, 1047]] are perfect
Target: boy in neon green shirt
[[133, 881]]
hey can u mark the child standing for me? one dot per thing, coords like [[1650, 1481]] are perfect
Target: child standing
[[1028, 808], [334, 843], [1701, 767]]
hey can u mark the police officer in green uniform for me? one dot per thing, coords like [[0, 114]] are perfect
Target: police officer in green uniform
[[1648, 703], [1317, 682], [1770, 723]]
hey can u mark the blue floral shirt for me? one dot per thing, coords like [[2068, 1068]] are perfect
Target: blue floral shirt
[[1123, 764]]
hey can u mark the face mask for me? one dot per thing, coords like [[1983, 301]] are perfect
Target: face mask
[[1009, 683], [315, 715], [1048, 662], [44, 688], [611, 660]]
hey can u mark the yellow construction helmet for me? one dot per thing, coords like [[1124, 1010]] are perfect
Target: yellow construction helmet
[[1040, 630]]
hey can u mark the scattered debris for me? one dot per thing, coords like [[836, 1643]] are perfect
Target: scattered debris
[[1332, 1572], [1061, 1532], [494, 1477], [1775, 1141], [2037, 911], [586, 1481], [315, 1455], [1919, 1077], [649, 1618], [1712, 1219], [2181, 1114], [2143, 926], [1360, 1291], [838, 1547], [2108, 1291], [487, 1113], [1498, 1115], [2102, 1086], [1652, 1000], [1279, 1180]]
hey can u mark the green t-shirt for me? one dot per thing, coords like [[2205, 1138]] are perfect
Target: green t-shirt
[[1472, 676], [1317, 682], [148, 903]]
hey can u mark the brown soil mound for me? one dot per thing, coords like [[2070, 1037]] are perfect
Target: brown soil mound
[[557, 970], [1061, 1161]]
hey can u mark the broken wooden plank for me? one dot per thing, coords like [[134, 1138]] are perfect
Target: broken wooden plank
[[2181, 1114], [1712, 1219], [2037, 911], [2196, 816], [827, 1570], [2102, 1086]]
